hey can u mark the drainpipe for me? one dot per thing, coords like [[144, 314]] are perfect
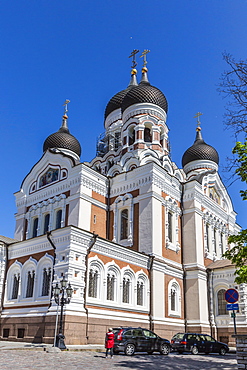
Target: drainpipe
[[150, 269], [108, 210], [182, 255], [5, 273], [91, 244], [48, 235], [210, 278]]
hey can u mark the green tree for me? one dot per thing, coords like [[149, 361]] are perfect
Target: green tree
[[238, 255], [234, 85]]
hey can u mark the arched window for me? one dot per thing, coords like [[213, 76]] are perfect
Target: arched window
[[46, 281], [170, 228], [110, 286], [30, 283], [117, 141], [15, 288], [215, 245], [46, 223], [174, 303], [59, 219], [221, 302], [140, 291], [92, 284], [173, 299], [147, 135], [126, 290], [124, 224], [35, 227], [131, 136], [207, 235], [123, 220], [221, 244]]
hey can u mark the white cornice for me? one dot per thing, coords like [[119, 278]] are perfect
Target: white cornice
[[93, 185], [200, 164], [166, 267], [120, 253], [144, 108], [150, 173]]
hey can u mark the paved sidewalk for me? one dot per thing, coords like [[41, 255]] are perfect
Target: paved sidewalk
[[42, 346], [36, 359], [50, 348]]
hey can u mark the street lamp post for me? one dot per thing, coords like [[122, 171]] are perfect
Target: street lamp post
[[62, 295]]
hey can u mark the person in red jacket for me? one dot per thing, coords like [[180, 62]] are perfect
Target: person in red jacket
[[109, 342]]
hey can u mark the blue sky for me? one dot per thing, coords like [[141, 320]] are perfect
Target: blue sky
[[78, 50]]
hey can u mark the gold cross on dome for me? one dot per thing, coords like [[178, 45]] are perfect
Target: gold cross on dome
[[65, 105], [198, 119], [144, 55], [133, 55]]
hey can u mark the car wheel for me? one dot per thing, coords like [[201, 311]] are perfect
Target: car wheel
[[194, 350], [164, 349], [129, 349], [222, 351], [180, 352]]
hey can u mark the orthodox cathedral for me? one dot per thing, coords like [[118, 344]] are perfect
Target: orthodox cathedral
[[139, 239]]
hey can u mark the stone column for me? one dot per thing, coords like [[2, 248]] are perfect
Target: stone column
[[241, 344]]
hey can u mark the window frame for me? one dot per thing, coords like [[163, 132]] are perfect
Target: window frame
[[46, 224], [172, 213], [96, 264], [35, 226], [174, 287], [122, 203], [221, 305]]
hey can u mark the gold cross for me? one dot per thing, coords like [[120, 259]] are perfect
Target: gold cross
[[133, 55], [144, 55], [65, 105], [198, 118]]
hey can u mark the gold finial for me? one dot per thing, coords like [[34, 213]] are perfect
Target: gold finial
[[198, 121], [134, 64], [65, 105], [144, 55]]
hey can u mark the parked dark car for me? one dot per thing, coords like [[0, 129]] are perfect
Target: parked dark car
[[195, 343], [131, 340]]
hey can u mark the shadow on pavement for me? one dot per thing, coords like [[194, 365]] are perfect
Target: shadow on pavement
[[174, 362]]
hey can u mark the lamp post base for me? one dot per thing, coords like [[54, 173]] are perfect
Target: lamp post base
[[60, 342]]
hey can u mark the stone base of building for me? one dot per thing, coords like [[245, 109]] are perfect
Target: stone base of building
[[198, 329], [77, 329], [226, 335]]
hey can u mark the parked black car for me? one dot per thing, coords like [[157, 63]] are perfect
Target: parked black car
[[195, 343], [131, 340]]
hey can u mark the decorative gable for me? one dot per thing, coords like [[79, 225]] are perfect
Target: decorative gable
[[51, 174]]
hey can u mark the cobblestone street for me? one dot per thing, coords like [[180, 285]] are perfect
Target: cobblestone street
[[71, 360]]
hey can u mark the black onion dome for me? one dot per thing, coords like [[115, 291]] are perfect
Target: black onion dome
[[62, 139], [145, 93], [200, 151], [116, 101]]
